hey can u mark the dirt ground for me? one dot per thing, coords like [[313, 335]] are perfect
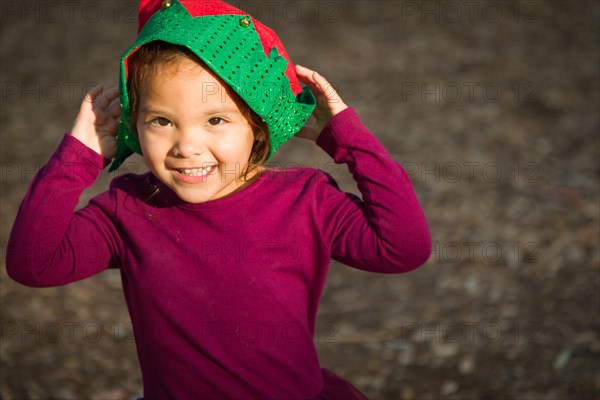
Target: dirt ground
[[493, 109]]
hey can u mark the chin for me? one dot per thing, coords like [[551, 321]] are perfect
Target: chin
[[193, 196]]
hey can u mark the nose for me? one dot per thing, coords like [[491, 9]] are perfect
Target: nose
[[188, 144]]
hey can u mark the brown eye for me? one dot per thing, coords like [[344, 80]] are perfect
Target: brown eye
[[215, 121], [161, 121]]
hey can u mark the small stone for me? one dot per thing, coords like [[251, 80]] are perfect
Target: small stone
[[562, 359], [449, 387], [472, 285], [444, 350], [466, 365]]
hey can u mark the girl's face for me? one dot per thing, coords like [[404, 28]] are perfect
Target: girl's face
[[193, 135]]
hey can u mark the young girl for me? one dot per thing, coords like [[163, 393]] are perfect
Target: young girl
[[222, 259]]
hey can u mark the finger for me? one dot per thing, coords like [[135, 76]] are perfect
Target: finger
[[94, 92], [114, 108], [321, 81], [104, 99], [111, 128], [317, 82], [303, 71], [88, 100], [111, 120], [309, 76], [305, 75], [325, 87], [114, 92]]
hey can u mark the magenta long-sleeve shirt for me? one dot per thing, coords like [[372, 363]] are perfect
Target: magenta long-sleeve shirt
[[223, 295]]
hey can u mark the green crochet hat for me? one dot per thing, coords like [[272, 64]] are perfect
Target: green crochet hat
[[244, 53]]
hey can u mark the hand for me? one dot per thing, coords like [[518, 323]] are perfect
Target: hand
[[329, 102], [98, 119]]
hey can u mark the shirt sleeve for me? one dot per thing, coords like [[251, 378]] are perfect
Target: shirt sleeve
[[50, 244], [385, 231]]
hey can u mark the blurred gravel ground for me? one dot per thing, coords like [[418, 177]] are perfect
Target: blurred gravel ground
[[492, 107]]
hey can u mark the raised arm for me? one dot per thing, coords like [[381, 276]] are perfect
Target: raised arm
[[386, 230], [50, 244]]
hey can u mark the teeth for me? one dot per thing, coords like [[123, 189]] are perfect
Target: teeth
[[196, 171]]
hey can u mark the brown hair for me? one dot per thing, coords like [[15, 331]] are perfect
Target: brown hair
[[150, 57]]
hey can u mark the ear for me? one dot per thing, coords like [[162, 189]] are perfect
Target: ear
[[146, 10]]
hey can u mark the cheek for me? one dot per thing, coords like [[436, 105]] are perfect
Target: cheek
[[231, 147], [154, 148]]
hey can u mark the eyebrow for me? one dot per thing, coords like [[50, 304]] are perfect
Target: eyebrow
[[150, 111], [210, 111], [220, 110]]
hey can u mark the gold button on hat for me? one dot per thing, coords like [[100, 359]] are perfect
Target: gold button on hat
[[245, 22]]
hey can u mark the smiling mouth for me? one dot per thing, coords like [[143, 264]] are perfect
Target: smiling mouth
[[196, 171]]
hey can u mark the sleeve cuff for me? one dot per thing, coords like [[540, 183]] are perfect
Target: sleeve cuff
[[74, 158], [81, 150], [326, 139]]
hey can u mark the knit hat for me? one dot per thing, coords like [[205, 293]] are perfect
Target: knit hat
[[244, 53]]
